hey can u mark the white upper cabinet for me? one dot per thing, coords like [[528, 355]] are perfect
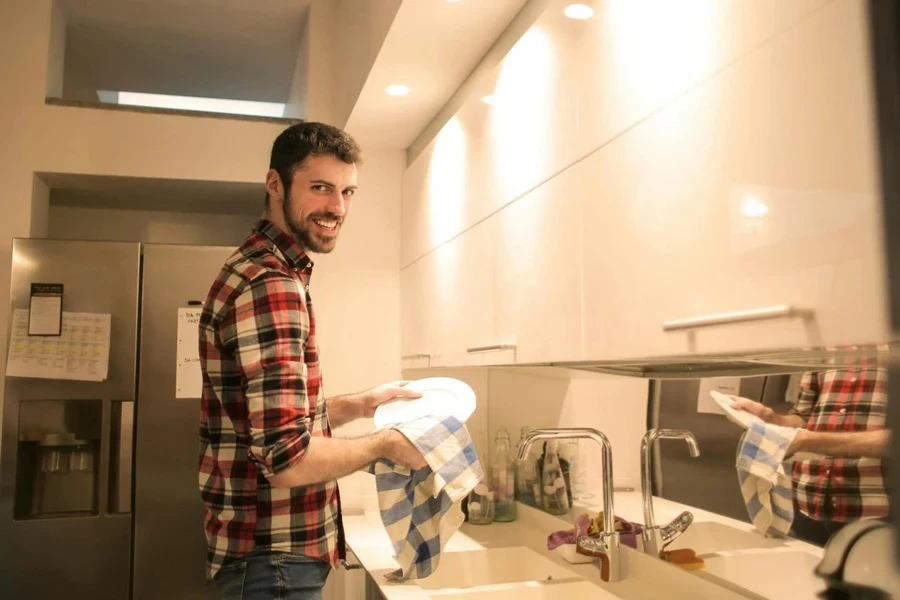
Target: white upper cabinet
[[756, 189], [653, 165]]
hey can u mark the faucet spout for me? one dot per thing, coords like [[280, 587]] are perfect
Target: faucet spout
[[654, 537], [607, 546]]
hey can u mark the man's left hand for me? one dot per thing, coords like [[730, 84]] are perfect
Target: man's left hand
[[394, 390]]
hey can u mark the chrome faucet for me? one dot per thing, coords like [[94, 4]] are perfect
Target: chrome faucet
[[606, 546], [654, 537]]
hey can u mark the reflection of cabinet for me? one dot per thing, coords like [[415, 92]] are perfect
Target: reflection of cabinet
[[730, 169]]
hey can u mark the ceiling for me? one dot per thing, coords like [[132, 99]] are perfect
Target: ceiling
[[432, 46], [169, 195], [247, 51], [211, 48]]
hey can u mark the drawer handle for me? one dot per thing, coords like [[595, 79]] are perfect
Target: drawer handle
[[782, 311], [491, 348], [418, 355], [350, 566]]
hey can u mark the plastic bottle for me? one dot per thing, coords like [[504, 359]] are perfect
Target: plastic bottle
[[480, 502], [555, 496], [503, 478], [528, 480]]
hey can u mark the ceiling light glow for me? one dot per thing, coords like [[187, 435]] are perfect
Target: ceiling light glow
[[396, 90], [579, 12]]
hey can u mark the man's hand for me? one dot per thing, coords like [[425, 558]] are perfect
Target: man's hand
[[395, 390], [400, 450], [343, 409], [755, 408], [767, 414]]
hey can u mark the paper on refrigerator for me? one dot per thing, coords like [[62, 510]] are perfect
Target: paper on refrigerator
[[730, 386], [188, 378], [80, 353]]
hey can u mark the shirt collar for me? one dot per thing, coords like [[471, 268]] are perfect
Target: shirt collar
[[288, 246]]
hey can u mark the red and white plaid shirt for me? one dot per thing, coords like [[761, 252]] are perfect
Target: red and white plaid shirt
[[842, 489], [262, 401]]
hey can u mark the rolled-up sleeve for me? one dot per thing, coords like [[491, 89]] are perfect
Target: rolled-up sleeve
[[809, 393], [266, 332]]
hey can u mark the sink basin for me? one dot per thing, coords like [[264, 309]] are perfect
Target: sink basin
[[744, 572], [514, 564], [709, 537]]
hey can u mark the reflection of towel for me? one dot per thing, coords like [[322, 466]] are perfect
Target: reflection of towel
[[420, 509], [765, 485]]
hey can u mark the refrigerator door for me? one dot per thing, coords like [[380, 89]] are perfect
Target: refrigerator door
[[169, 541], [710, 481], [60, 536]]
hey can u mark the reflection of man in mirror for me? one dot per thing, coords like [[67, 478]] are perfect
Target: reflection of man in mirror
[[841, 414]]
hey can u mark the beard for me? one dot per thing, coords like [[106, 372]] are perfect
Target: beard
[[307, 232]]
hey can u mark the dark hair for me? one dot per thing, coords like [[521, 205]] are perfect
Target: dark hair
[[295, 143]]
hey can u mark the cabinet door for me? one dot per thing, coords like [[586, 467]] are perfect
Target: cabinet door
[[754, 190], [465, 268], [447, 302], [537, 290], [415, 346], [635, 56]]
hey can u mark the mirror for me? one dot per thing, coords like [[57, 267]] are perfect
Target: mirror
[[839, 476]]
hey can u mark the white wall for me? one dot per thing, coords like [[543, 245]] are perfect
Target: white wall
[[155, 227], [615, 405]]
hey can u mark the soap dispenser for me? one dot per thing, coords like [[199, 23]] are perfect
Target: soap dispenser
[[503, 478]]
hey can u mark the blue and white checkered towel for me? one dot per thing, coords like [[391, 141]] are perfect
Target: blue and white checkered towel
[[421, 509], [765, 484]]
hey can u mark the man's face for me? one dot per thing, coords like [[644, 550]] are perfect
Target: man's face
[[319, 201]]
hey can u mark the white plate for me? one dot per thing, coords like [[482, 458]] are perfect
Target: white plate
[[735, 415], [441, 397]]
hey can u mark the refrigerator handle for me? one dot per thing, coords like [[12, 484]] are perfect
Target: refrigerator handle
[[121, 456]]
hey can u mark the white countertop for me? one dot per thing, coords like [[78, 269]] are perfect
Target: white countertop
[[369, 542]]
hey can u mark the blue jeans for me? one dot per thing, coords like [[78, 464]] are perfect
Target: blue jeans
[[272, 576]]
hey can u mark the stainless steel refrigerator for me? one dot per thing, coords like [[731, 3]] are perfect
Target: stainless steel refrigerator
[[98, 479]]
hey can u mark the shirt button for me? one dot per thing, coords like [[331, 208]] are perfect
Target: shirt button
[[828, 472], [843, 411], [853, 380]]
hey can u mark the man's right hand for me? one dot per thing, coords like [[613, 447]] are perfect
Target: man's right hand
[[400, 450], [755, 408]]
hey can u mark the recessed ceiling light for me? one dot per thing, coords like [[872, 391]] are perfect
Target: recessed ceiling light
[[487, 99], [397, 90], [579, 12]]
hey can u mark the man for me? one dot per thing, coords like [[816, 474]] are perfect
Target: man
[[268, 462], [840, 414]]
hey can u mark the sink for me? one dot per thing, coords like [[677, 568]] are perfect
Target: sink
[[709, 537], [745, 572], [513, 564]]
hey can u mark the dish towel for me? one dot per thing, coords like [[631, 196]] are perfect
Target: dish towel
[[420, 509], [765, 485]]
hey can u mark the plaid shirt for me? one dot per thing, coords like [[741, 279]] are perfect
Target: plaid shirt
[[842, 489], [262, 401]]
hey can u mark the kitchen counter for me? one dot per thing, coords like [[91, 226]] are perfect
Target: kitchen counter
[[644, 575]]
